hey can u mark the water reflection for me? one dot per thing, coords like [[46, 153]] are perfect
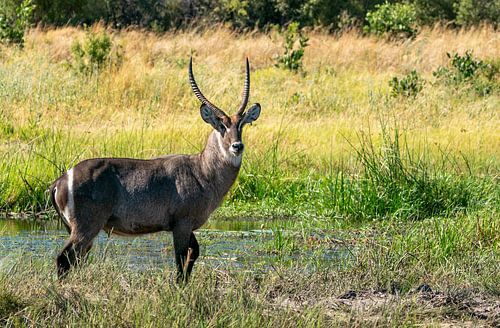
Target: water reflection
[[223, 243], [218, 245], [14, 227]]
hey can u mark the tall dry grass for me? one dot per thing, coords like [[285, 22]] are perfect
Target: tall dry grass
[[53, 117], [220, 47], [346, 81]]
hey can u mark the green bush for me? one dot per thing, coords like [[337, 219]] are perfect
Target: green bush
[[392, 20], [233, 11], [95, 53], [13, 24], [465, 66], [396, 16], [464, 71], [408, 86], [473, 12], [431, 11], [293, 54]]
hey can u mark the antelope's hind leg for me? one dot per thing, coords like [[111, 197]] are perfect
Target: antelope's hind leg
[[76, 249], [73, 253]]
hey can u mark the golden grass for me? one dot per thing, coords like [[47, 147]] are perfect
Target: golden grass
[[345, 90], [220, 47]]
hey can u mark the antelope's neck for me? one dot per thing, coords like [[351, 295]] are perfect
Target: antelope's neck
[[218, 167]]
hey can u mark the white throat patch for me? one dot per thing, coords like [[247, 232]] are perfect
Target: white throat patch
[[230, 158]]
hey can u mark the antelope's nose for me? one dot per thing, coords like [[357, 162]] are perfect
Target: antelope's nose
[[237, 146]]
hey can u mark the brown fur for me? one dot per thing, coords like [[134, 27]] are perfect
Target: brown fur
[[131, 196]]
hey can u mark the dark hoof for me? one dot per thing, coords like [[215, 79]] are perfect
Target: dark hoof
[[63, 266], [424, 288], [349, 295]]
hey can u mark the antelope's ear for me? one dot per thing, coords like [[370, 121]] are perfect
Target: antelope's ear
[[208, 115], [251, 115]]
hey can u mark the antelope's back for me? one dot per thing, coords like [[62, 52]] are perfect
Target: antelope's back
[[132, 196]]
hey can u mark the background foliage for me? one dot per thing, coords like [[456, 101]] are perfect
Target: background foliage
[[161, 15], [14, 20]]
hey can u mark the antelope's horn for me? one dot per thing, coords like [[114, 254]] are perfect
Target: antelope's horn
[[246, 90], [200, 95]]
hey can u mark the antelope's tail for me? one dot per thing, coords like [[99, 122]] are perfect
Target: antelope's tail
[[53, 190]]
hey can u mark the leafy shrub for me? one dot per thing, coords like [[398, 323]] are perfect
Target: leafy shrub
[[470, 12], [292, 57], [465, 66], [466, 71], [487, 81], [393, 20], [408, 86], [13, 25], [164, 15], [95, 53], [431, 11], [233, 11]]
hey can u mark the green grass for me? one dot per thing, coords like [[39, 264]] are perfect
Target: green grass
[[406, 189], [330, 142], [372, 282], [390, 180]]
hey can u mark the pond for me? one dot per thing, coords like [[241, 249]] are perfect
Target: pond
[[223, 244]]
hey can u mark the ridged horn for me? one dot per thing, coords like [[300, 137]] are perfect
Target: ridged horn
[[246, 90], [200, 95]]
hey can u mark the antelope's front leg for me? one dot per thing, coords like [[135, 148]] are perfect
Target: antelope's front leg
[[186, 250]]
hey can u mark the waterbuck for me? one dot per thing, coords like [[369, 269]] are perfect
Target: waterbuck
[[174, 193]]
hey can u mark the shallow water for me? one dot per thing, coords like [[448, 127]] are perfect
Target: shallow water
[[223, 244]]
